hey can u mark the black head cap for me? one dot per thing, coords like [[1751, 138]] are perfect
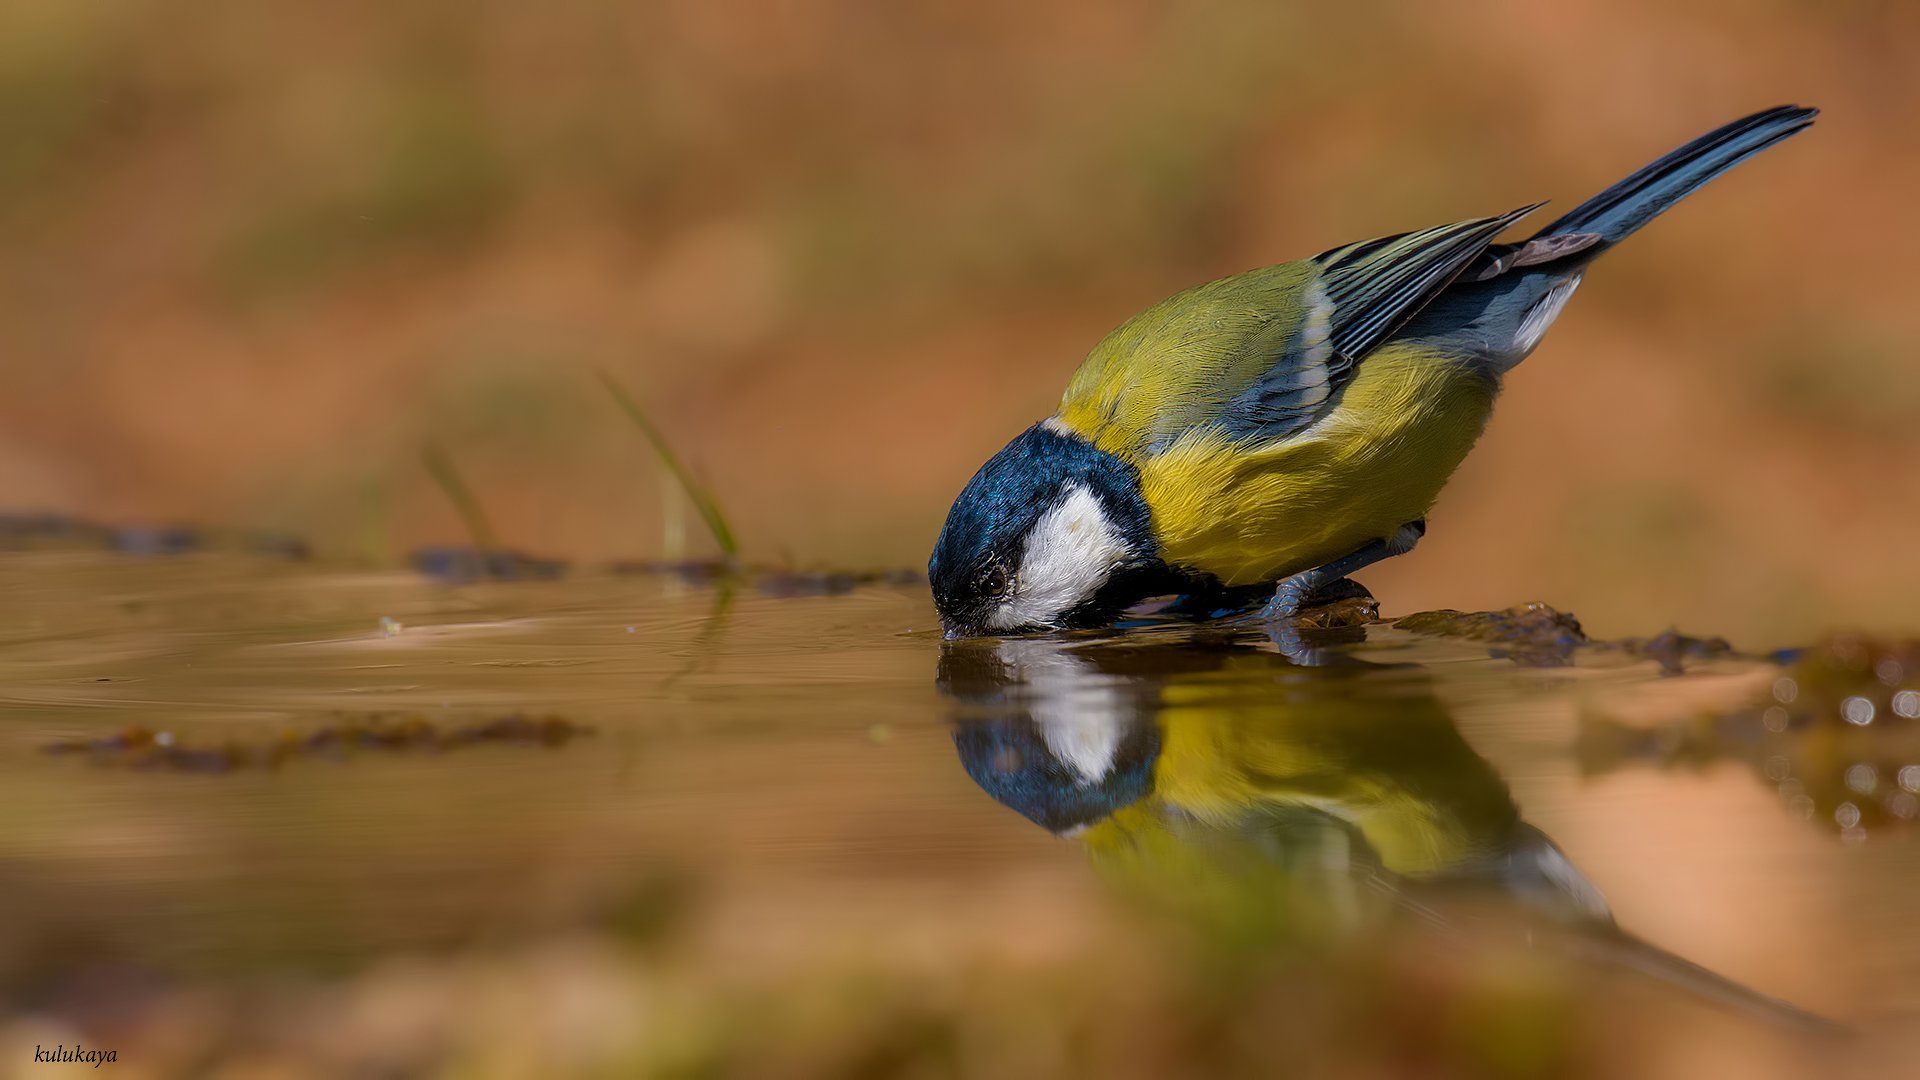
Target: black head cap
[[979, 572]]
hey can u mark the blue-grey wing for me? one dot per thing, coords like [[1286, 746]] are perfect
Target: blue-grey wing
[[1364, 293], [1498, 322]]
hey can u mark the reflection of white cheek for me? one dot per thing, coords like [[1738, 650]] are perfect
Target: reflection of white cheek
[[1082, 728], [1079, 711]]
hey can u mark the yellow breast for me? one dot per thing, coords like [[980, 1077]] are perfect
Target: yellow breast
[[1251, 510]]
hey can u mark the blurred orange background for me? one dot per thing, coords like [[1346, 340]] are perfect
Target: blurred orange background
[[252, 257]]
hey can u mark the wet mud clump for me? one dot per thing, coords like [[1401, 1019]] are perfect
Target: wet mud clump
[[141, 748], [1338, 605], [1671, 648], [1538, 635], [1532, 635]]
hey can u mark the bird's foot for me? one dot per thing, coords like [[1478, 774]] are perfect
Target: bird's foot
[[1335, 603], [1292, 595], [1287, 598], [1339, 605]]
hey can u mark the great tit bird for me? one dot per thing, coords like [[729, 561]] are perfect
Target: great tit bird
[[1252, 795], [1276, 430]]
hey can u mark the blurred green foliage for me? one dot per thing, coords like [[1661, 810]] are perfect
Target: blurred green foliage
[[438, 184]]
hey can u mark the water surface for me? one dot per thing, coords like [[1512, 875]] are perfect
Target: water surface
[[343, 823]]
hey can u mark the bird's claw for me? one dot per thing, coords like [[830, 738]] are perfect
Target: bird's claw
[[1287, 598]]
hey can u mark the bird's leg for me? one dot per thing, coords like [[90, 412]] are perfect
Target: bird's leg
[[1290, 592], [1280, 612]]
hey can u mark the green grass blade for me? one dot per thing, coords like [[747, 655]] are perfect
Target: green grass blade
[[703, 500], [440, 467]]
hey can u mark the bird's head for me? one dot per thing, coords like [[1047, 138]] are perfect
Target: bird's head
[[1051, 533]]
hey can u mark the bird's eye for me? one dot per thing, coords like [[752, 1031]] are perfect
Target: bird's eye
[[993, 579]]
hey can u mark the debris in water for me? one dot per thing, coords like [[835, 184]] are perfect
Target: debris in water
[[1837, 734], [1531, 635], [815, 584], [690, 571], [1670, 647], [139, 748], [455, 565], [41, 532], [1537, 635], [486, 558], [772, 582]]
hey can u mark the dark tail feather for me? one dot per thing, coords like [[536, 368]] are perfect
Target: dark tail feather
[[1616, 212], [1611, 945]]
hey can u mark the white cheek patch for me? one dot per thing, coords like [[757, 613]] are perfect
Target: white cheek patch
[[1546, 309], [1069, 554]]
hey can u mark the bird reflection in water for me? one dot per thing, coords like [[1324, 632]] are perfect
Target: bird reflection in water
[[1278, 803]]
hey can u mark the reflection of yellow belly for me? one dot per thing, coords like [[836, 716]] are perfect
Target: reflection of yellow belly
[[1225, 763], [1249, 513]]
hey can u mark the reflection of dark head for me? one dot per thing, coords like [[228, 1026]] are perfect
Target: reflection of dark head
[[973, 672], [979, 672], [1011, 761]]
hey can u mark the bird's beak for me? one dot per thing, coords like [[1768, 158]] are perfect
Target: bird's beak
[[961, 627]]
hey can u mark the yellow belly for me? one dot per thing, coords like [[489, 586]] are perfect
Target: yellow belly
[[1249, 512]]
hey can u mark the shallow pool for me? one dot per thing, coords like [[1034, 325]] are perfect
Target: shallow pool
[[261, 818]]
